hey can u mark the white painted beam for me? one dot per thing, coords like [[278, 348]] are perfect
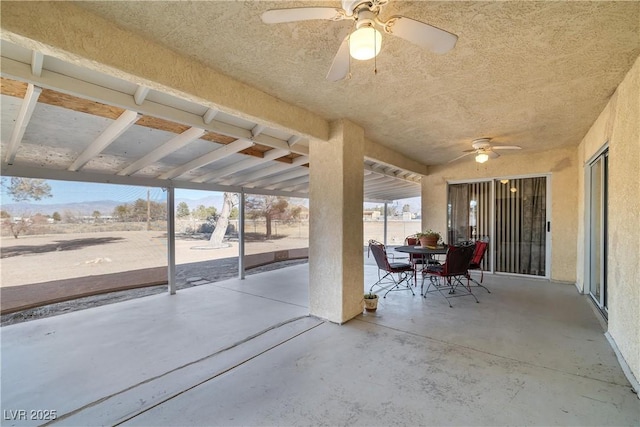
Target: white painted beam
[[37, 60], [388, 184], [140, 95], [294, 140], [270, 170], [274, 179], [289, 183], [304, 188], [72, 86], [22, 121], [103, 178], [164, 150], [110, 134], [380, 170], [209, 115], [220, 153], [250, 162], [257, 130]]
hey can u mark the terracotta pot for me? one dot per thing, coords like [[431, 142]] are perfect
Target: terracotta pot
[[429, 241]]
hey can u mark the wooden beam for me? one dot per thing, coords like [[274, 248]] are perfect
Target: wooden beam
[[289, 182], [273, 154], [208, 158], [110, 134], [164, 150], [37, 60], [140, 95], [24, 116], [270, 170], [209, 115], [93, 92], [274, 179]]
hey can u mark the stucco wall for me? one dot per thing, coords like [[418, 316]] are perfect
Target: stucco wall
[[562, 167], [619, 125]]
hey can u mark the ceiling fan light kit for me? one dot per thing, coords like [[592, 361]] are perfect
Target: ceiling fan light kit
[[364, 43], [484, 150], [482, 157]]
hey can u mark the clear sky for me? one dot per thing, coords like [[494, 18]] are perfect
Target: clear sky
[[71, 192]]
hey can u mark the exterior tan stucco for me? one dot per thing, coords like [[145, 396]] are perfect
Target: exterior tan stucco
[[336, 260], [619, 126], [561, 168]]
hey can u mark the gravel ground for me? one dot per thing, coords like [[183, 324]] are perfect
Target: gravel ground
[[221, 269]]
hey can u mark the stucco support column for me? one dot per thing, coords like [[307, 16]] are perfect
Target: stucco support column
[[336, 264]]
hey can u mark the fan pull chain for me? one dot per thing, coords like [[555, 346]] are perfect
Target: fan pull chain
[[375, 58]]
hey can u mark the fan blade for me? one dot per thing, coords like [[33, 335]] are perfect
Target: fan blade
[[459, 157], [421, 34], [505, 147], [492, 154], [340, 65], [279, 16]]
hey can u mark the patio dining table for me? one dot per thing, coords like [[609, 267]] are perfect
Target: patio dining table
[[421, 252]]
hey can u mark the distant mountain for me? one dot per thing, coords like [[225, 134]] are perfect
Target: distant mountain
[[105, 207], [212, 200]]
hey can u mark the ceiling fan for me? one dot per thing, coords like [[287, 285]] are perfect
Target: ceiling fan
[[365, 41], [484, 150]]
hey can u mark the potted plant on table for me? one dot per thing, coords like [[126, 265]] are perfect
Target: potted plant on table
[[370, 301], [428, 238]]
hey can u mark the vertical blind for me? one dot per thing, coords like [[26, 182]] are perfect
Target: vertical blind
[[519, 242]]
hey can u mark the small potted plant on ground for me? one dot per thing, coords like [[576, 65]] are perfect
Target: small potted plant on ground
[[428, 238], [370, 301]]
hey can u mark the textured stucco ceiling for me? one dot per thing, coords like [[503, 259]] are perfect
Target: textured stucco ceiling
[[534, 74]]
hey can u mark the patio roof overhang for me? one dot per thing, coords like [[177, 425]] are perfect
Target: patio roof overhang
[[61, 121]]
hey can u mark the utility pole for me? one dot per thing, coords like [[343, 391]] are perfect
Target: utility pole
[[148, 210]]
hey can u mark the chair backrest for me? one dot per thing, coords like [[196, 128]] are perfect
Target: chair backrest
[[380, 254], [458, 259], [478, 254]]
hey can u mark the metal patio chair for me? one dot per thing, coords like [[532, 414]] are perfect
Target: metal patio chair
[[476, 263], [448, 276], [387, 271]]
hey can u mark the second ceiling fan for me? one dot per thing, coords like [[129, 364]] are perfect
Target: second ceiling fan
[[484, 151], [365, 41]]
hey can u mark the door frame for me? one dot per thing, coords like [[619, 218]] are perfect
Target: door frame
[[549, 213], [586, 288]]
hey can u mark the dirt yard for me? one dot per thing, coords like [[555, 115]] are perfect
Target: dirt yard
[[34, 259], [42, 258]]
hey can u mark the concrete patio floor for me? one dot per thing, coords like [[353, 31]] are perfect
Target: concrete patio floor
[[247, 353]]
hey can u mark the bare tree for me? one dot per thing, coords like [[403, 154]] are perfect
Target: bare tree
[[268, 207], [223, 220], [22, 189]]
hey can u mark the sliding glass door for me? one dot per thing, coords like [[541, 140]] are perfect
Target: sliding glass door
[[597, 174], [521, 226], [511, 214]]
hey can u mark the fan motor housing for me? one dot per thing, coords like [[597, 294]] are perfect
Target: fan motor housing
[[481, 144]]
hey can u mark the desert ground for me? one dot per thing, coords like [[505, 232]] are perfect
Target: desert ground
[[41, 258]]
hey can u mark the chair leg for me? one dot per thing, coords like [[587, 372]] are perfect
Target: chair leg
[[478, 284]]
